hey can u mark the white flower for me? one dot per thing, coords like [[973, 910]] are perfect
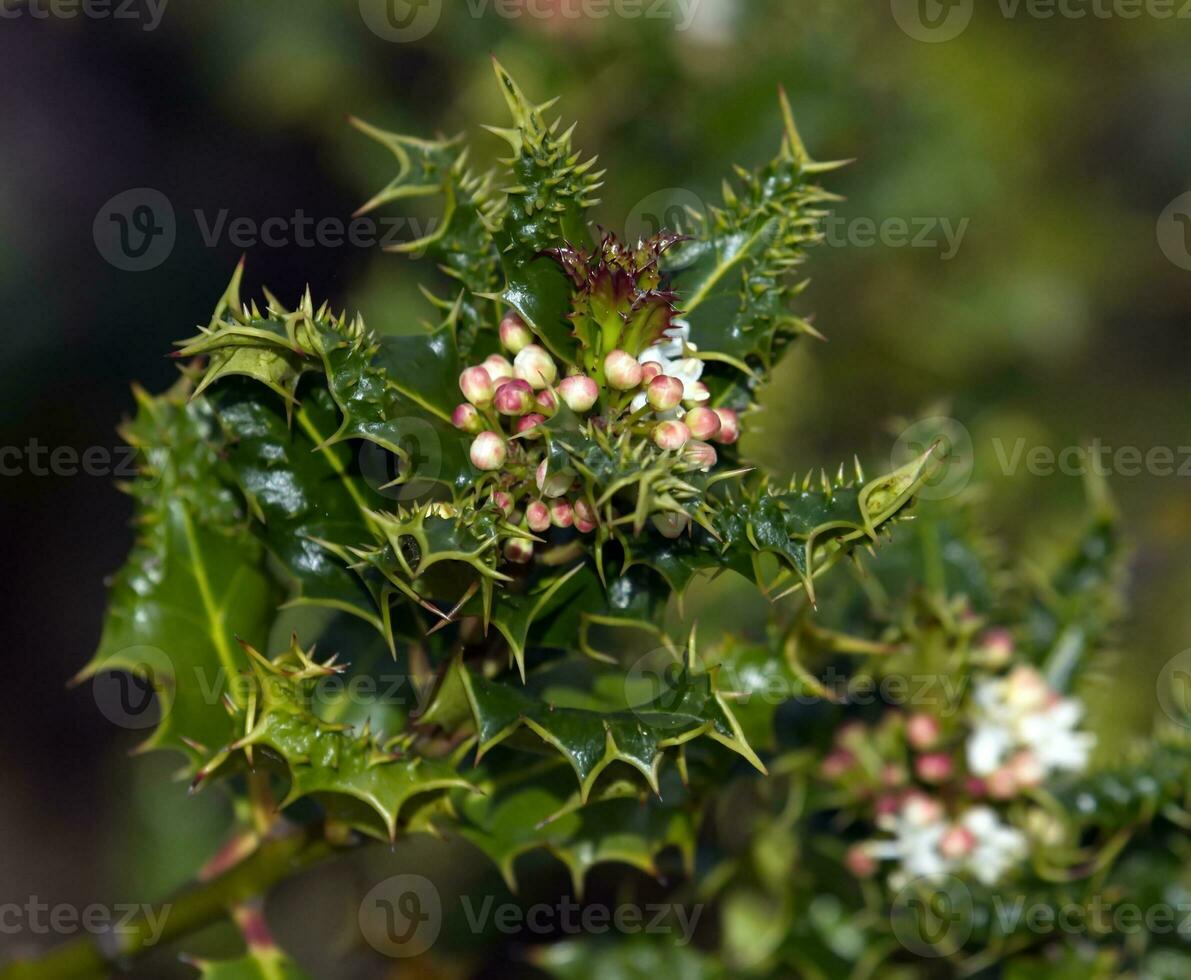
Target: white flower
[[999, 847], [671, 356], [919, 829], [1022, 712]]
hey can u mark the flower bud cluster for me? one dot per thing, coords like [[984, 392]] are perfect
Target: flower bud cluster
[[509, 395], [936, 783]]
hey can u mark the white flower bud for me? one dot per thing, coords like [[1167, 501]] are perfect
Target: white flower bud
[[579, 392], [467, 418], [514, 334], [503, 502], [498, 368], [476, 385], [664, 393], [529, 422], [488, 451], [701, 455], [704, 423], [671, 435], [622, 370], [513, 398], [586, 519], [537, 516], [562, 514], [729, 426], [535, 366], [519, 550]]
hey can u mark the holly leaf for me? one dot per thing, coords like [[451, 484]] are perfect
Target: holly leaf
[[310, 503], [582, 712], [733, 277], [546, 197], [460, 238], [195, 580], [395, 412], [361, 779], [521, 808]]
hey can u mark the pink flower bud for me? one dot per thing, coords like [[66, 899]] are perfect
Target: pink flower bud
[[923, 731], [1001, 785], [934, 767], [701, 455], [498, 368], [996, 646], [704, 423], [537, 516], [696, 393], [671, 435], [893, 775], [729, 426], [579, 392], [670, 525], [531, 421], [921, 810], [545, 402], [586, 519], [534, 365], [514, 398], [958, 842], [519, 550], [860, 861], [1027, 769], [488, 451], [503, 502], [649, 371], [622, 370], [552, 484], [477, 386], [562, 514], [466, 417], [836, 763], [888, 804], [664, 393], [514, 334]]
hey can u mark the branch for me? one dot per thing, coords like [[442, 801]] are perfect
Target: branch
[[199, 906]]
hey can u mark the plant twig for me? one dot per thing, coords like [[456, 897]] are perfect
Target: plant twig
[[280, 855]]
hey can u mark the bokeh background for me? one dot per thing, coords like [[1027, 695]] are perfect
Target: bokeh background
[[1040, 162]]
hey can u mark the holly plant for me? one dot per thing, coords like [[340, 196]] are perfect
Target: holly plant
[[506, 509]]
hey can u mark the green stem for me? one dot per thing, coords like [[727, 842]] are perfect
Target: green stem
[[197, 907]]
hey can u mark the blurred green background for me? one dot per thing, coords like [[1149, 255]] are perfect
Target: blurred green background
[[1004, 257]]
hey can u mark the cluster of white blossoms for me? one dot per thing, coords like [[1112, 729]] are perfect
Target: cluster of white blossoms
[[934, 784], [1023, 732], [658, 394], [927, 844]]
